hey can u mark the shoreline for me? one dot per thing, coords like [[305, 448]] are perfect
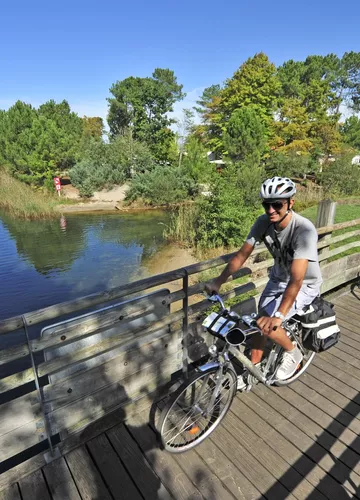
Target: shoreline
[[94, 206]]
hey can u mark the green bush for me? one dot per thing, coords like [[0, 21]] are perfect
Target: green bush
[[195, 163], [341, 178], [89, 176], [161, 186], [225, 218], [104, 165], [290, 165]]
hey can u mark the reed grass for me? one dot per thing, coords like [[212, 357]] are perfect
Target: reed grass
[[21, 200]]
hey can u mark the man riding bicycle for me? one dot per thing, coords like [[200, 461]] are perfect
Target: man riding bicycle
[[295, 278]]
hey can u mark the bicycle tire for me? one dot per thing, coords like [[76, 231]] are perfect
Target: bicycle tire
[[308, 358], [191, 423]]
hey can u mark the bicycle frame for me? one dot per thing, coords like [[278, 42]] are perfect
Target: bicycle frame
[[254, 370], [260, 375]]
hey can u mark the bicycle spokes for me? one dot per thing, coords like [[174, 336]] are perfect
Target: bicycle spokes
[[196, 410]]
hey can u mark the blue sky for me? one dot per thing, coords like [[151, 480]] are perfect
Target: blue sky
[[76, 49]]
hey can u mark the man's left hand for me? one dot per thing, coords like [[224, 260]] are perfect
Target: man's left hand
[[268, 325]]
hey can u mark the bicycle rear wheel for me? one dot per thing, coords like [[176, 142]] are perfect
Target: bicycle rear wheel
[[186, 419]]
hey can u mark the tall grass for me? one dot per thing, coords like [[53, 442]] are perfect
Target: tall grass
[[181, 228], [20, 200], [308, 196]]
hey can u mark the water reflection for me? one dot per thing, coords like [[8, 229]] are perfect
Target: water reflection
[[44, 244], [45, 262], [63, 223]]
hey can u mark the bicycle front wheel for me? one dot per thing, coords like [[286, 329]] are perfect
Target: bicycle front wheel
[[188, 417]]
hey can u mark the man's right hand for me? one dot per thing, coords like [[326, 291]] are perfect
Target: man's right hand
[[212, 287]]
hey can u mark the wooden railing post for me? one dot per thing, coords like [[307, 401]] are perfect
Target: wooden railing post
[[325, 217]]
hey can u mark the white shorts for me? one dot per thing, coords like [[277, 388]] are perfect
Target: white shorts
[[271, 298]]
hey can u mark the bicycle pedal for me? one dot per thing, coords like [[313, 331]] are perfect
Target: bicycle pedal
[[251, 380]]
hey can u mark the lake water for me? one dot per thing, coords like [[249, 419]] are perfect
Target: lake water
[[46, 262]]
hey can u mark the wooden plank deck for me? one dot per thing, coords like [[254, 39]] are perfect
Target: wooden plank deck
[[298, 442]]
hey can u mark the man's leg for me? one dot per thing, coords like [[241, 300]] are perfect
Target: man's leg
[[279, 336], [268, 304]]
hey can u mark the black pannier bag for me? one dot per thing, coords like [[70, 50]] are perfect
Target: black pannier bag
[[319, 328]]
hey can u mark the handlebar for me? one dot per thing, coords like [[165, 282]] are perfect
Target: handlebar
[[214, 297], [248, 319]]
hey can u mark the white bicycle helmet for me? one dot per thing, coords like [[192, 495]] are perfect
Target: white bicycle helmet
[[277, 188]]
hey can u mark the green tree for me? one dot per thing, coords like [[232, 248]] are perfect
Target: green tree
[[133, 156], [195, 163], [36, 143], [292, 127], [67, 128], [326, 137], [308, 106], [343, 75], [184, 127], [208, 107], [245, 136], [254, 84], [204, 104], [290, 76], [143, 104], [350, 131], [93, 126]]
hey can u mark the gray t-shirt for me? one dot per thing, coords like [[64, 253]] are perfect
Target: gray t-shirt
[[297, 241]]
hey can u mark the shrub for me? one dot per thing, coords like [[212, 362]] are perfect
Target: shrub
[[341, 177], [290, 165], [104, 165], [161, 186], [89, 176], [308, 196], [224, 218]]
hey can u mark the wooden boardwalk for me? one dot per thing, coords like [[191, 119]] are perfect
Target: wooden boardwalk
[[297, 442]]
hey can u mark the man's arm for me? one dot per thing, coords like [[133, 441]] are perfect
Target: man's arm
[[232, 267]]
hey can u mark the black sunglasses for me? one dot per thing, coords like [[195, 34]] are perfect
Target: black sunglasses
[[277, 205]]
